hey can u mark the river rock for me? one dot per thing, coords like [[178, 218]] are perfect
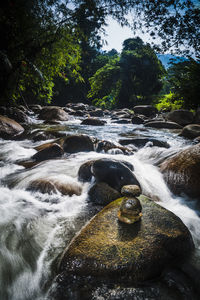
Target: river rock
[[137, 119], [163, 124], [191, 131], [51, 186], [146, 110], [78, 143], [51, 152], [50, 113], [9, 128], [113, 172], [96, 113], [182, 171], [181, 116], [106, 146], [102, 194], [108, 248], [93, 122], [131, 191], [17, 114], [122, 121], [142, 141], [85, 173]]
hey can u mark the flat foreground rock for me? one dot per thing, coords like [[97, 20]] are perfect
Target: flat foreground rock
[[140, 251]]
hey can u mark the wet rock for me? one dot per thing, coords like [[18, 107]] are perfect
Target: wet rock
[[35, 108], [106, 247], [137, 120], [17, 115], [51, 152], [131, 191], [163, 124], [146, 110], [181, 116], [182, 171], [114, 173], [50, 186], [191, 131], [49, 113], [102, 194], [130, 210], [141, 142], [96, 113], [84, 172], [122, 121], [106, 146], [93, 122], [78, 143], [78, 113], [9, 128]]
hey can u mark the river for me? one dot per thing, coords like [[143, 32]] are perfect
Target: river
[[35, 228]]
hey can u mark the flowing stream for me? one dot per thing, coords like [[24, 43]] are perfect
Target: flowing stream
[[35, 228]]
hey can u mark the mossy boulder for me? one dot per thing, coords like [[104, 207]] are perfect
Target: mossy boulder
[[106, 247], [182, 171]]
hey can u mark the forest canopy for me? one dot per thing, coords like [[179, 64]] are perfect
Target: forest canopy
[[46, 44]]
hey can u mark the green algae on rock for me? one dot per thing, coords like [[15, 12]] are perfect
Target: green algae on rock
[[106, 247]]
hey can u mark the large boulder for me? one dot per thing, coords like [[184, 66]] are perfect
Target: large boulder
[[93, 122], [191, 131], [9, 128], [114, 173], [163, 124], [17, 114], [142, 141], [182, 171], [181, 116], [50, 113], [85, 172], [146, 110], [102, 194], [78, 143], [107, 248]]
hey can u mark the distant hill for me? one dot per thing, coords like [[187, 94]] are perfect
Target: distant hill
[[166, 59]]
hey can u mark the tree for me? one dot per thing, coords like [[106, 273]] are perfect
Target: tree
[[135, 76], [44, 39], [184, 78]]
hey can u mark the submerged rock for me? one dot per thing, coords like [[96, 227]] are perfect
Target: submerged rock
[[9, 128], [114, 173], [142, 141], [108, 248], [182, 171], [51, 186]]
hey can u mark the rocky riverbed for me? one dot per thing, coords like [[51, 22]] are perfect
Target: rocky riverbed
[[66, 172]]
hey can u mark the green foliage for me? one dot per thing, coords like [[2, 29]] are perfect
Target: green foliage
[[184, 78], [169, 102], [134, 76]]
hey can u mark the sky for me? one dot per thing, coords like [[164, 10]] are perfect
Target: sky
[[117, 34]]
